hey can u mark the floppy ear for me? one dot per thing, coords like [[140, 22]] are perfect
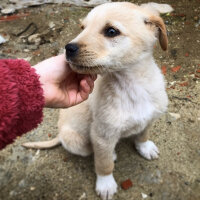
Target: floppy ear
[[162, 32], [157, 8]]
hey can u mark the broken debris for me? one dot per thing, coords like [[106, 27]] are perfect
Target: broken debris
[[2, 40], [175, 116], [35, 39], [144, 196], [14, 5], [7, 11], [126, 184]]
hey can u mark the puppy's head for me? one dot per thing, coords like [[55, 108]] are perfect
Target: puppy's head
[[117, 35]]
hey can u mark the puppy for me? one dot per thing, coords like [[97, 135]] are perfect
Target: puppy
[[116, 42]]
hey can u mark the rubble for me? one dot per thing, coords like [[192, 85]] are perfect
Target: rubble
[[144, 196], [2, 39], [175, 116], [35, 39], [14, 5], [126, 184], [8, 10]]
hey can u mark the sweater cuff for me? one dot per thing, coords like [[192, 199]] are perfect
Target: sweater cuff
[[21, 100]]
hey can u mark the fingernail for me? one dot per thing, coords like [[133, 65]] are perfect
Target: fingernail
[[94, 77]]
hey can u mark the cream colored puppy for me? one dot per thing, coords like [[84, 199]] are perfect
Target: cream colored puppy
[[117, 42]]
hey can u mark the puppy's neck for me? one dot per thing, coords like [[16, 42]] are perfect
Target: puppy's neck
[[136, 71]]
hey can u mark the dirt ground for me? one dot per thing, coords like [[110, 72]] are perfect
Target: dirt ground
[[58, 175]]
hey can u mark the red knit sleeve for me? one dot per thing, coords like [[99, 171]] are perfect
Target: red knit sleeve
[[21, 100]]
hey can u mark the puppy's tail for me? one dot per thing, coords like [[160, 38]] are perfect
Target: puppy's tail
[[42, 145]]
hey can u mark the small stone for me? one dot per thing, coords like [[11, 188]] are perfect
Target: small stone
[[192, 75], [175, 115], [37, 152], [186, 183], [166, 22], [151, 194], [196, 18], [151, 177], [8, 11], [174, 52], [22, 183], [27, 58], [186, 54], [2, 40], [12, 193], [36, 53], [126, 184], [26, 50], [35, 39], [172, 83], [176, 69], [51, 25], [32, 188], [144, 196], [33, 47], [83, 196]]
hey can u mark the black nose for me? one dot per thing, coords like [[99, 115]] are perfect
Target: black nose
[[71, 50]]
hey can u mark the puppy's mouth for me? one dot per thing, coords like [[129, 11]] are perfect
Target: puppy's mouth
[[89, 69]]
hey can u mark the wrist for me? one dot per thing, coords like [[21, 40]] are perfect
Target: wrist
[[42, 85]]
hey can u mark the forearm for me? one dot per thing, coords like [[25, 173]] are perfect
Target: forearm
[[21, 100]]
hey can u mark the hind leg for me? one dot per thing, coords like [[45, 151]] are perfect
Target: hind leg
[[74, 142], [74, 128]]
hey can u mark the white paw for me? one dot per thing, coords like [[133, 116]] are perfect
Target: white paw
[[106, 186], [147, 149]]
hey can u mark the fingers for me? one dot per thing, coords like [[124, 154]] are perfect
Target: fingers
[[84, 92], [87, 83], [94, 77], [86, 87], [90, 81]]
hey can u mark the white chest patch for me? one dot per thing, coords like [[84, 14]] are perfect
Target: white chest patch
[[133, 108]]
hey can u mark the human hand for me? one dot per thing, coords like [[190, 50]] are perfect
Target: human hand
[[62, 87]]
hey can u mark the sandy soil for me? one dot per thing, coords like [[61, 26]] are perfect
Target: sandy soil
[[58, 175]]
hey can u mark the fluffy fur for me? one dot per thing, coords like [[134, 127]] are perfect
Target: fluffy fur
[[21, 100], [129, 94]]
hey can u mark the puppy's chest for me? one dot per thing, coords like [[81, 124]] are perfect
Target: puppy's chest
[[125, 106], [134, 106]]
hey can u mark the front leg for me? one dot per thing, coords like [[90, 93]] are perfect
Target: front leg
[[145, 147], [104, 147]]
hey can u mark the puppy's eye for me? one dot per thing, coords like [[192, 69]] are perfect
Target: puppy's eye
[[111, 32]]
